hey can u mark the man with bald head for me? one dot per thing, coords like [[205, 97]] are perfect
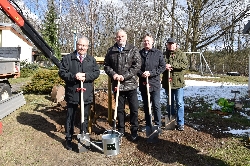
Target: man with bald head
[[76, 67], [122, 63]]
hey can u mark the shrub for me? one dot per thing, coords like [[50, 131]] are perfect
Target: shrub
[[226, 106], [43, 81], [28, 69], [53, 67]]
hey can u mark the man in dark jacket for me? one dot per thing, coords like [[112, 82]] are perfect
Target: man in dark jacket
[[76, 67], [177, 63], [153, 64], [122, 63]]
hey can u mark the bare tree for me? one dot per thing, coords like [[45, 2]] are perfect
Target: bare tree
[[196, 24], [206, 22]]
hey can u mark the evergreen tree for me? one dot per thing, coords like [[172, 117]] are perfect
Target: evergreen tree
[[50, 29]]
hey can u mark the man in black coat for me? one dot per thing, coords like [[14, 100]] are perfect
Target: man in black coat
[[122, 63], [153, 64], [76, 67]]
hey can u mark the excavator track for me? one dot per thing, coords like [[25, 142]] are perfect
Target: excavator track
[[11, 104]]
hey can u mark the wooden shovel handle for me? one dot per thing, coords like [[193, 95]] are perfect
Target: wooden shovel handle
[[169, 88], [148, 94], [116, 99], [82, 104]]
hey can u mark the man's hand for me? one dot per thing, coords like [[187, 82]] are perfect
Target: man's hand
[[80, 76], [115, 77], [82, 79], [169, 67], [121, 78], [145, 74], [118, 77]]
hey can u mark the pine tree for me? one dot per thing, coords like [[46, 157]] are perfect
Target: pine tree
[[50, 29]]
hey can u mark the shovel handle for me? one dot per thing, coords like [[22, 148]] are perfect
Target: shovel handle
[[116, 99], [148, 94], [169, 88], [82, 104]]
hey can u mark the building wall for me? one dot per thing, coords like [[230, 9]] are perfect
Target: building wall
[[10, 39]]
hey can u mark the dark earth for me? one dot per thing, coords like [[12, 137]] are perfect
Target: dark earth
[[202, 133]]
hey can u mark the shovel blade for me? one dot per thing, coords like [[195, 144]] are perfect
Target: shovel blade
[[169, 123], [83, 144], [152, 133], [150, 130]]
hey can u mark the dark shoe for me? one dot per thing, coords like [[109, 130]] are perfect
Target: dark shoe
[[121, 131], [68, 145], [180, 128]]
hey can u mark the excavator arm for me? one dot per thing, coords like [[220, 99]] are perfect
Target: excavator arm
[[7, 6]]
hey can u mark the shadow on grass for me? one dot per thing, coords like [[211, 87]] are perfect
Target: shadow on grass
[[175, 153], [40, 124], [58, 113]]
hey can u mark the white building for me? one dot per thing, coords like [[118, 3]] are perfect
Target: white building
[[9, 37]]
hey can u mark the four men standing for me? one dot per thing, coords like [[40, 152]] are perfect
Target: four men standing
[[125, 63]]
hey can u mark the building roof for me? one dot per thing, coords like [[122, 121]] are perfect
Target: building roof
[[6, 26]]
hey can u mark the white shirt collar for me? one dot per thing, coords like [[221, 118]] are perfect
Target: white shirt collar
[[78, 56]]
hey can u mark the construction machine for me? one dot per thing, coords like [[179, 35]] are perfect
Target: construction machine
[[10, 64], [9, 68], [11, 9]]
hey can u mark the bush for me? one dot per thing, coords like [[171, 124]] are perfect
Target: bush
[[226, 106], [28, 69], [53, 67], [43, 81]]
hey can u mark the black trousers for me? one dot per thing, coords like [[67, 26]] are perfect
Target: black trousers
[[132, 98], [70, 120]]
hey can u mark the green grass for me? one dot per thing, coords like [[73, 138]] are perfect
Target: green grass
[[232, 152], [219, 78], [19, 80]]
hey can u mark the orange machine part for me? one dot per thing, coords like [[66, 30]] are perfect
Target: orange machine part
[[1, 128], [11, 12]]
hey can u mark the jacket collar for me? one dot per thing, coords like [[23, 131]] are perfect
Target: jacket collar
[[126, 48], [151, 50], [74, 56]]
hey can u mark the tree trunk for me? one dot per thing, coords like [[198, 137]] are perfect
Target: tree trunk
[[173, 22]]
